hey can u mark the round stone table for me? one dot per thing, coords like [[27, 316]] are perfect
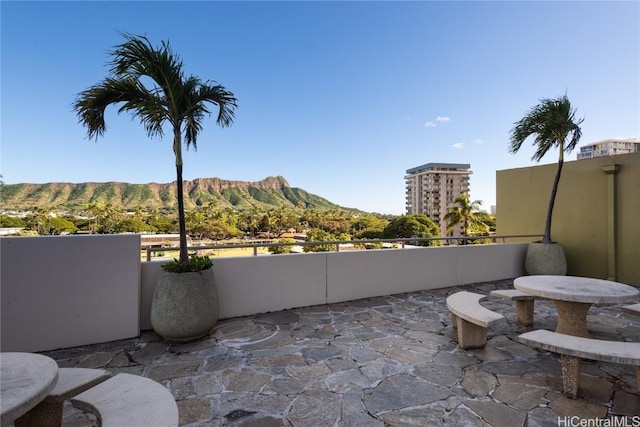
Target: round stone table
[[573, 296], [27, 378]]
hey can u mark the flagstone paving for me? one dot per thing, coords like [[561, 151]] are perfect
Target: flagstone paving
[[386, 361]]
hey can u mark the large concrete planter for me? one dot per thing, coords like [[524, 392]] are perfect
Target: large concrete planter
[[545, 258], [184, 305]]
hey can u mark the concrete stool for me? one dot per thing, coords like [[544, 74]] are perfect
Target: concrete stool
[[130, 400], [632, 309], [524, 303], [71, 381]]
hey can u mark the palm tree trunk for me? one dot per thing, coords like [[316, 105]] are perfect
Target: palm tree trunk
[[554, 191], [177, 150], [465, 227], [184, 255]]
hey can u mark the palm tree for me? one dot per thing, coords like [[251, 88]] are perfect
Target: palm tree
[[465, 213], [172, 98], [554, 124]]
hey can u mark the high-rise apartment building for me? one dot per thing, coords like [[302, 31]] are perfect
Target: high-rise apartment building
[[432, 188], [609, 147]]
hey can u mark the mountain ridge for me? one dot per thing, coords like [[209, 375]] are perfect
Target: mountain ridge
[[271, 192]]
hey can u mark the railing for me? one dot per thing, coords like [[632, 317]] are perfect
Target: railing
[[412, 241]]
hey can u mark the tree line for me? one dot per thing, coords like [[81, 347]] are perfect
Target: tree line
[[211, 223]]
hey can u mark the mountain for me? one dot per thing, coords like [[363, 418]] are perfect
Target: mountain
[[271, 192]]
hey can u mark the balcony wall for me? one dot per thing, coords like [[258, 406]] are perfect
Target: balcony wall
[[68, 291], [251, 285], [257, 284]]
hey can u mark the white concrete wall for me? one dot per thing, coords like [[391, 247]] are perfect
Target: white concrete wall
[[251, 285], [66, 291], [269, 283], [483, 263], [355, 275]]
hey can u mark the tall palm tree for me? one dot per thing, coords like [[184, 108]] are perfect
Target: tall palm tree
[[465, 213], [171, 99], [553, 123]]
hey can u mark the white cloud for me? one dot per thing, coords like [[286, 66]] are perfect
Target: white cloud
[[458, 145], [477, 141], [434, 123]]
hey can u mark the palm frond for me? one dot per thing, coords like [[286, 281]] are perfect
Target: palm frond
[[225, 100], [91, 104], [137, 57], [195, 99], [551, 121]]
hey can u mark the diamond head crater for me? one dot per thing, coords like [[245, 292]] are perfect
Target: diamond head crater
[[271, 192]]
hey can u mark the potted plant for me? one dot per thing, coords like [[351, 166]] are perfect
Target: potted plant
[[553, 123], [149, 83], [185, 300]]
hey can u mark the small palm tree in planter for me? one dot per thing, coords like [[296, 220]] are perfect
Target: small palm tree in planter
[[150, 84], [553, 123], [466, 213]]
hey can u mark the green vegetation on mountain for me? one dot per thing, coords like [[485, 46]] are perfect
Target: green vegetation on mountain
[[233, 195], [272, 192]]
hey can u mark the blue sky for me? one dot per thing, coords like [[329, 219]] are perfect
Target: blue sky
[[340, 98]]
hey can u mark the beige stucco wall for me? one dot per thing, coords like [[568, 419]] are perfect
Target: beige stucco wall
[[581, 219]]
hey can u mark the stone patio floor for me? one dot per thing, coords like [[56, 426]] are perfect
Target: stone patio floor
[[386, 361]]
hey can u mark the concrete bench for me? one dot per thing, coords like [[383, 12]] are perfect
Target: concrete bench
[[471, 319], [632, 309], [71, 381], [524, 303], [573, 349], [129, 400]]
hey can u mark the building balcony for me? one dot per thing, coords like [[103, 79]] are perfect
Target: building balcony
[[353, 338]]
